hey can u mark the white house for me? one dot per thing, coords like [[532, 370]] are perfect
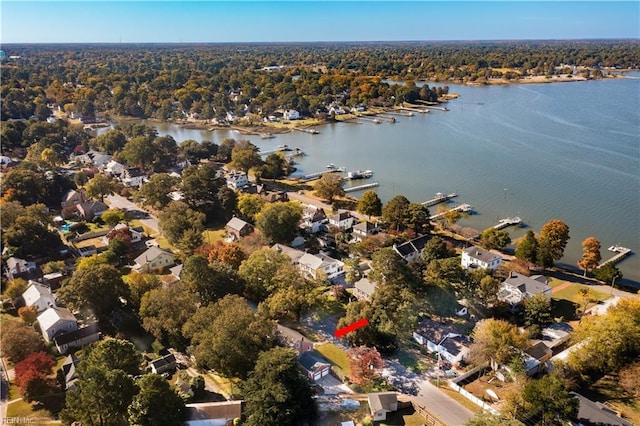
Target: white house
[[162, 364], [364, 229], [133, 177], [137, 233], [442, 338], [291, 114], [77, 339], [114, 168], [237, 180], [15, 267], [313, 218], [54, 321], [412, 250], [38, 295], [311, 264], [342, 220], [153, 259], [382, 403], [517, 287], [476, 257]]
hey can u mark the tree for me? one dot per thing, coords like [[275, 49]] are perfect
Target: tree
[[630, 379], [38, 364], [387, 265], [548, 400], [156, 403], [527, 247], [417, 218], [228, 336], [19, 341], [245, 158], [110, 142], [261, 272], [394, 212], [28, 314], [114, 354], [210, 281], [50, 157], [290, 295], [96, 288], [113, 217], [436, 248], [54, 266], [275, 166], [227, 253], [329, 186], [31, 237], [590, 254], [139, 285], [608, 273], [276, 393], [278, 222], [194, 151], [156, 190], [487, 291], [495, 239], [99, 186], [364, 362], [182, 226], [139, 151], [555, 233], [80, 179], [164, 311], [15, 288], [495, 339], [537, 310], [370, 204], [250, 205]]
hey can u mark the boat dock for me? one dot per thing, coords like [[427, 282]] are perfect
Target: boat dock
[[509, 221], [422, 111], [310, 131], [464, 208], [429, 106], [399, 113], [439, 198], [621, 253], [361, 187], [279, 149], [312, 176]]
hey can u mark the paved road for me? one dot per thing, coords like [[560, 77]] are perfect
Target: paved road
[[118, 202], [442, 406]]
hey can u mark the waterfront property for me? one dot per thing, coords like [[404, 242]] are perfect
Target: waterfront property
[[412, 250], [517, 287], [477, 257]]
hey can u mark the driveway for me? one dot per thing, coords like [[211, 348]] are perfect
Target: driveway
[[118, 202]]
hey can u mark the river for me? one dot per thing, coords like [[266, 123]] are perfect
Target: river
[[539, 151]]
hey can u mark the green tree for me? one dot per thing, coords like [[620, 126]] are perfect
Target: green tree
[[110, 142], [608, 273], [278, 222], [290, 295], [245, 158], [370, 204], [329, 186], [527, 247], [590, 254], [113, 217], [493, 239], [548, 399], [114, 354], [139, 285], [139, 151], [96, 288], [99, 186], [394, 212], [182, 226], [537, 310], [275, 166], [276, 393], [250, 205], [194, 151], [19, 340], [80, 179], [487, 291], [156, 403], [29, 236], [261, 272], [228, 336], [387, 265], [417, 218], [495, 339], [210, 281], [556, 234], [156, 190], [436, 248], [15, 288]]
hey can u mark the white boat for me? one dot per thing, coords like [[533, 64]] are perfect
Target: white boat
[[331, 166], [267, 136], [360, 174], [377, 121], [283, 147]]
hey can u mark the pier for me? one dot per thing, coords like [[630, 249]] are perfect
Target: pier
[[464, 208], [432, 107], [376, 118], [312, 176], [360, 187], [621, 253], [509, 221], [439, 198], [399, 113], [422, 111], [310, 131]]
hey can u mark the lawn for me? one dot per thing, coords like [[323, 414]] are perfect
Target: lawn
[[24, 410], [568, 302], [337, 356], [227, 387], [608, 390], [410, 356], [211, 236]]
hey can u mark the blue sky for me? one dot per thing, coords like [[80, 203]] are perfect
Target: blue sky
[[276, 21]]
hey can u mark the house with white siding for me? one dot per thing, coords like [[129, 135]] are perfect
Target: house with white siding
[[54, 321]]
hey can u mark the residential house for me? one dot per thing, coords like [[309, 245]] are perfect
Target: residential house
[[412, 250], [154, 259], [53, 280], [302, 345], [162, 364], [275, 197], [98, 159], [313, 365], [69, 371], [539, 351], [213, 413], [363, 289], [363, 230], [337, 110], [90, 209], [15, 267], [77, 339], [595, 413], [557, 334], [313, 218], [311, 264], [477, 257], [237, 180], [291, 114], [133, 177], [442, 338], [54, 321], [294, 254], [137, 233], [342, 220], [38, 295], [238, 228], [73, 198], [113, 168], [381, 403], [176, 272], [531, 365], [87, 251], [517, 287]]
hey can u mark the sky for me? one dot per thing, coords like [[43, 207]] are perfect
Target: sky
[[109, 21]]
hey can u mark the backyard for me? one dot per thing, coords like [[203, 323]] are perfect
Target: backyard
[[569, 300]]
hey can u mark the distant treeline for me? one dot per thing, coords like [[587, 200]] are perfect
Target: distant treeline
[[209, 80]]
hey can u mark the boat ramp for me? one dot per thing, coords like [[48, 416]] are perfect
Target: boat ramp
[[439, 198], [621, 253], [509, 221], [463, 208]]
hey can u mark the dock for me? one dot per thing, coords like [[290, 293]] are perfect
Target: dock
[[464, 208], [422, 111], [433, 107], [399, 113], [317, 175], [361, 187], [509, 221], [439, 198], [310, 131], [621, 253]]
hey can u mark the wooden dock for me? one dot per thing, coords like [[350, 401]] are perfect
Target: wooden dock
[[509, 221], [317, 175], [399, 113], [430, 106], [464, 208], [310, 131], [422, 111], [361, 187], [621, 253], [439, 198]]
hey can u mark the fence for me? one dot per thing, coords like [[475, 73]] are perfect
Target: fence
[[427, 416], [453, 384]]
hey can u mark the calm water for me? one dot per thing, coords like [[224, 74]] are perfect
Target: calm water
[[569, 151]]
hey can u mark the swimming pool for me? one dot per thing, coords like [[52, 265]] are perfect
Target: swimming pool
[[66, 226]]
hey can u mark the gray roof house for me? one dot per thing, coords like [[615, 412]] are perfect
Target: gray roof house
[[412, 250], [238, 228], [162, 364], [15, 267], [76, 339], [38, 295], [364, 289], [153, 259], [477, 257], [442, 338], [595, 413], [69, 372], [517, 287], [314, 366], [381, 403], [91, 209], [364, 229]]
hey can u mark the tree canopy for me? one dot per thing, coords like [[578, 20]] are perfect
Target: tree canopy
[[278, 222]]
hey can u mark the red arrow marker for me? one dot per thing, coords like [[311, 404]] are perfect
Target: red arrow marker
[[348, 329]]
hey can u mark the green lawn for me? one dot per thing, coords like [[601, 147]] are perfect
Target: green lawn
[[569, 302], [211, 236], [337, 356]]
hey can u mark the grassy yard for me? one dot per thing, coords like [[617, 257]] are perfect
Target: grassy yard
[[362, 415], [337, 356], [227, 387], [409, 355], [22, 409], [211, 236], [607, 389], [568, 301]]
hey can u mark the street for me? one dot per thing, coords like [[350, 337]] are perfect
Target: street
[[118, 202], [440, 405]]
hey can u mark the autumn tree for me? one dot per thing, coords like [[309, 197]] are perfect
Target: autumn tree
[[182, 226], [364, 362], [227, 253], [261, 272], [28, 314], [278, 222], [37, 364], [15, 288], [554, 236], [527, 247], [329, 186], [495, 239], [155, 192], [249, 205], [99, 186], [19, 340], [139, 285], [590, 254], [370, 204], [630, 379], [156, 403], [495, 339]]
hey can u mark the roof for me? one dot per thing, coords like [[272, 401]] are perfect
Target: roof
[[539, 351], [526, 285], [237, 223], [595, 413], [312, 361], [294, 254], [52, 315], [444, 334], [161, 362], [12, 262], [415, 245], [556, 331], [74, 335], [316, 261], [214, 410], [134, 172], [69, 370], [70, 195], [382, 400], [365, 286], [96, 206], [338, 217], [176, 271], [34, 292], [150, 255], [480, 254], [364, 227]]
